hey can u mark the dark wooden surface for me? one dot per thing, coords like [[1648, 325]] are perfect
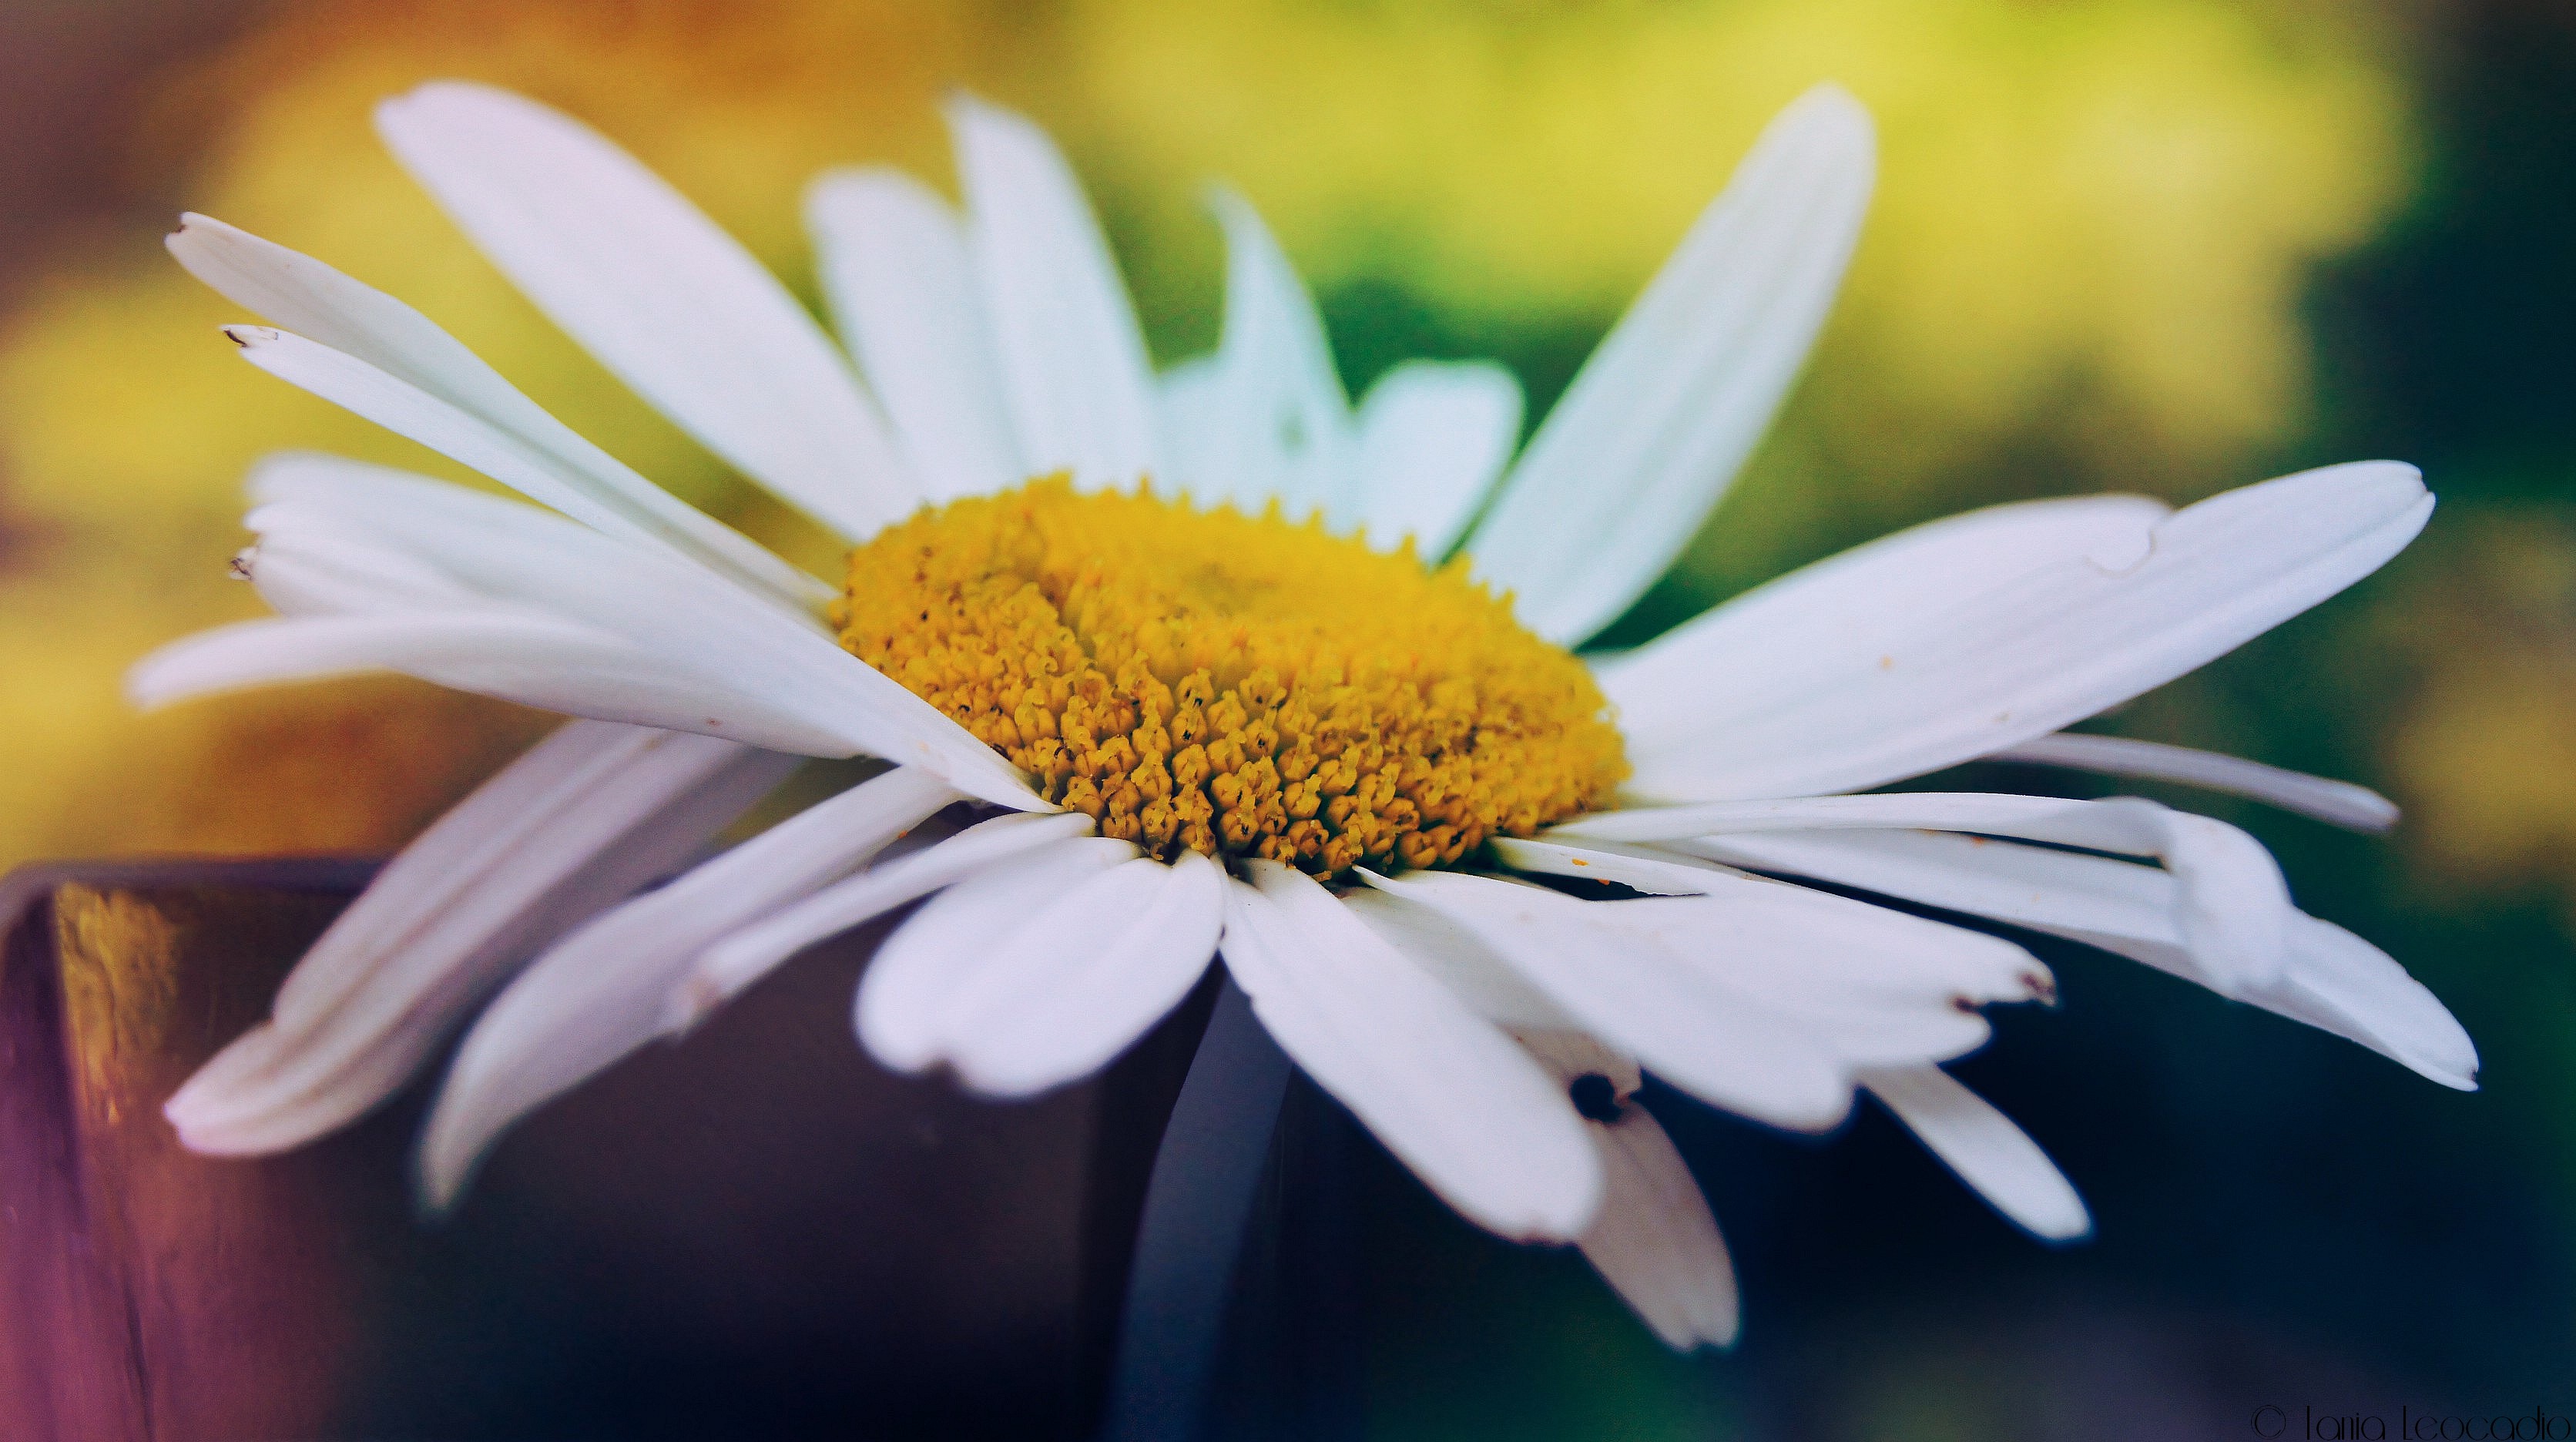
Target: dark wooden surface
[[752, 1232]]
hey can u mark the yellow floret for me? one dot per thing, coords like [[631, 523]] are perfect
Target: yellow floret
[[1230, 684]]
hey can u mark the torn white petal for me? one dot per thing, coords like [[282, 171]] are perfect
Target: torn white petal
[[561, 468]]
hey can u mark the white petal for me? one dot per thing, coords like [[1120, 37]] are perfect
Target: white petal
[[904, 996], [2233, 908], [1189, 409], [1282, 421], [1653, 1241], [2059, 892], [2345, 985], [746, 956], [1640, 868], [598, 994], [1083, 975], [1453, 956], [1671, 690], [1708, 1038], [2340, 803], [2333, 979], [902, 288], [591, 813], [1570, 1056], [1868, 983], [1622, 472], [1081, 394], [1982, 1145], [347, 574], [548, 462], [1447, 1092], [534, 661], [393, 573], [1916, 688], [628, 267], [349, 580], [1433, 435], [525, 466], [680, 616], [586, 785], [1860, 948], [1874, 986]]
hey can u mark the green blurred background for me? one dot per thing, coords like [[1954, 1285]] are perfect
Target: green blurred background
[[2165, 246]]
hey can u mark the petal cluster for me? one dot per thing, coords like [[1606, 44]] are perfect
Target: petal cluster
[[1490, 1022]]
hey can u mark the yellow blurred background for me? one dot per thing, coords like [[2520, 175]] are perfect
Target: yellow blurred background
[[2093, 223]]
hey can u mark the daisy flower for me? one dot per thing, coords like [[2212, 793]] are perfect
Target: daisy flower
[[1218, 665]]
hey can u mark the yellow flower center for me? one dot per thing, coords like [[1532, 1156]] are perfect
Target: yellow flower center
[[1235, 685]]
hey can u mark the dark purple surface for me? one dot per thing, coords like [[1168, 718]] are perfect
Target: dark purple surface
[[751, 1232]]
